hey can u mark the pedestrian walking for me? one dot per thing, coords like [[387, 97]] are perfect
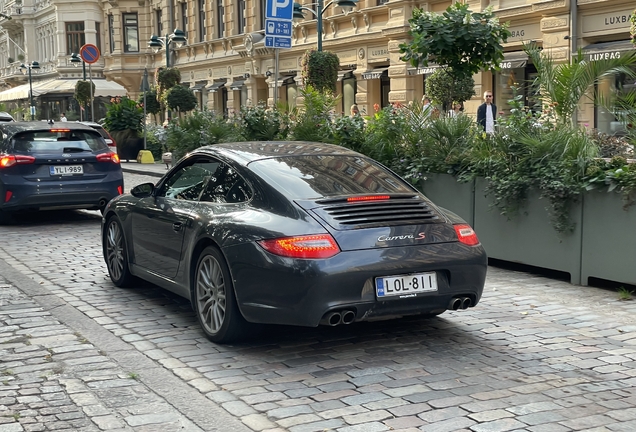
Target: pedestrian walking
[[487, 113]]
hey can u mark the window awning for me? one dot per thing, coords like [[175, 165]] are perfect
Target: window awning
[[346, 74], [423, 70], [607, 50], [103, 88], [197, 87], [286, 80], [514, 60], [216, 85], [375, 73], [237, 84], [15, 93]]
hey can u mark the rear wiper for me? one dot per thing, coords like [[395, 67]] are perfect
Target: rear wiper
[[73, 150]]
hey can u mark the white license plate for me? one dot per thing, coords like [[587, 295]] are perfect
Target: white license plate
[[405, 285], [66, 169]]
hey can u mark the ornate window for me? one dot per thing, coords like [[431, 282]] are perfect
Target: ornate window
[[202, 29], [220, 12], [131, 32], [74, 37], [158, 22], [240, 13], [111, 33]]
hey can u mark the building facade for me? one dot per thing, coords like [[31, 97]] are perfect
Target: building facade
[[48, 32], [228, 67]]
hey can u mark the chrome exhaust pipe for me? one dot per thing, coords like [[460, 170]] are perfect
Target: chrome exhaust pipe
[[348, 316], [333, 318], [466, 303], [455, 303]]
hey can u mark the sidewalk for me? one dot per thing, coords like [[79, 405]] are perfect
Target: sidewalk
[[156, 169]]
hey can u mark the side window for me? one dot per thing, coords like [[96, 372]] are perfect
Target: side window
[[189, 182], [226, 187]]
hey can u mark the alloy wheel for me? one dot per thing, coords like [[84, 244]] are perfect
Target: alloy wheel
[[115, 250], [210, 294]]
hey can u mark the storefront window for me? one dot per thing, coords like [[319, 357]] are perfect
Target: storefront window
[[348, 93], [385, 88], [291, 92], [521, 78], [604, 120]]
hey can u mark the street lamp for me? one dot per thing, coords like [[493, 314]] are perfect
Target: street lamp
[[346, 5], [76, 60], [24, 68], [158, 42]]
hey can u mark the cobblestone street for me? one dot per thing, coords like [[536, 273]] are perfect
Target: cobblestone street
[[77, 353]]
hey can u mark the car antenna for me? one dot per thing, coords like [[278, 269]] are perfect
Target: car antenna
[[51, 122]]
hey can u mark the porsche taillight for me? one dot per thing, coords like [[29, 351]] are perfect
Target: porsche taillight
[[466, 235], [317, 246], [7, 161], [368, 198]]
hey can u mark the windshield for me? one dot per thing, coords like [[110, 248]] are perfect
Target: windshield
[[310, 177], [55, 141]]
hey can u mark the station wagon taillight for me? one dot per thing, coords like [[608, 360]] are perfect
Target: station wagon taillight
[[108, 157], [466, 235], [7, 161], [306, 247]]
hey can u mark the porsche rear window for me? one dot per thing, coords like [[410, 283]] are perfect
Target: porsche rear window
[[309, 177], [56, 141]]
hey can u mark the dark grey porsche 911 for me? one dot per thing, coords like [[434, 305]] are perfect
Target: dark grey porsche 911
[[291, 233]]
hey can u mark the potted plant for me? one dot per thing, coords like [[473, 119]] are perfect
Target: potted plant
[[124, 121]]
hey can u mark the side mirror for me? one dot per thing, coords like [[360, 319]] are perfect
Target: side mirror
[[143, 190]]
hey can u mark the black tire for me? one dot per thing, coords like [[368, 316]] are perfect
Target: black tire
[[6, 218], [214, 300], [116, 254]]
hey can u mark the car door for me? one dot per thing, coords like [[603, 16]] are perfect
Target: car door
[[159, 222]]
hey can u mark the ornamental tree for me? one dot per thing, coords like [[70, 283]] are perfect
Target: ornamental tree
[[320, 70], [444, 88], [83, 92], [181, 98], [465, 41]]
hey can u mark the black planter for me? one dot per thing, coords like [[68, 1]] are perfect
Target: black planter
[[130, 149]]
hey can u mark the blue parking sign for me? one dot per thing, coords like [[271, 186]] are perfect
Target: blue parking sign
[[279, 9]]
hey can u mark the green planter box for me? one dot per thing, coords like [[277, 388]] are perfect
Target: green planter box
[[528, 238], [609, 239], [445, 191]]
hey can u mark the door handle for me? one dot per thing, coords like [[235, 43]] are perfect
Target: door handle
[[177, 226]]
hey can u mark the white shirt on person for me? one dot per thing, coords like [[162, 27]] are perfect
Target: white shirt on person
[[490, 119]]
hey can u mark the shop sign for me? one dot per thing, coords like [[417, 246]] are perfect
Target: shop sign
[[607, 21], [423, 70], [608, 55], [524, 32], [374, 74], [378, 53]]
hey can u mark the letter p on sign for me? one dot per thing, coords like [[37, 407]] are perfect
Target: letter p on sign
[[280, 9]]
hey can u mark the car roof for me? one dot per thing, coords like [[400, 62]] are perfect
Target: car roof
[[15, 127], [250, 151], [6, 116], [91, 124]]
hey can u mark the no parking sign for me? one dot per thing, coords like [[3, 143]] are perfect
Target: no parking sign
[[89, 53]]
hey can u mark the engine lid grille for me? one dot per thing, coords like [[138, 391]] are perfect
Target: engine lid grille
[[396, 210]]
